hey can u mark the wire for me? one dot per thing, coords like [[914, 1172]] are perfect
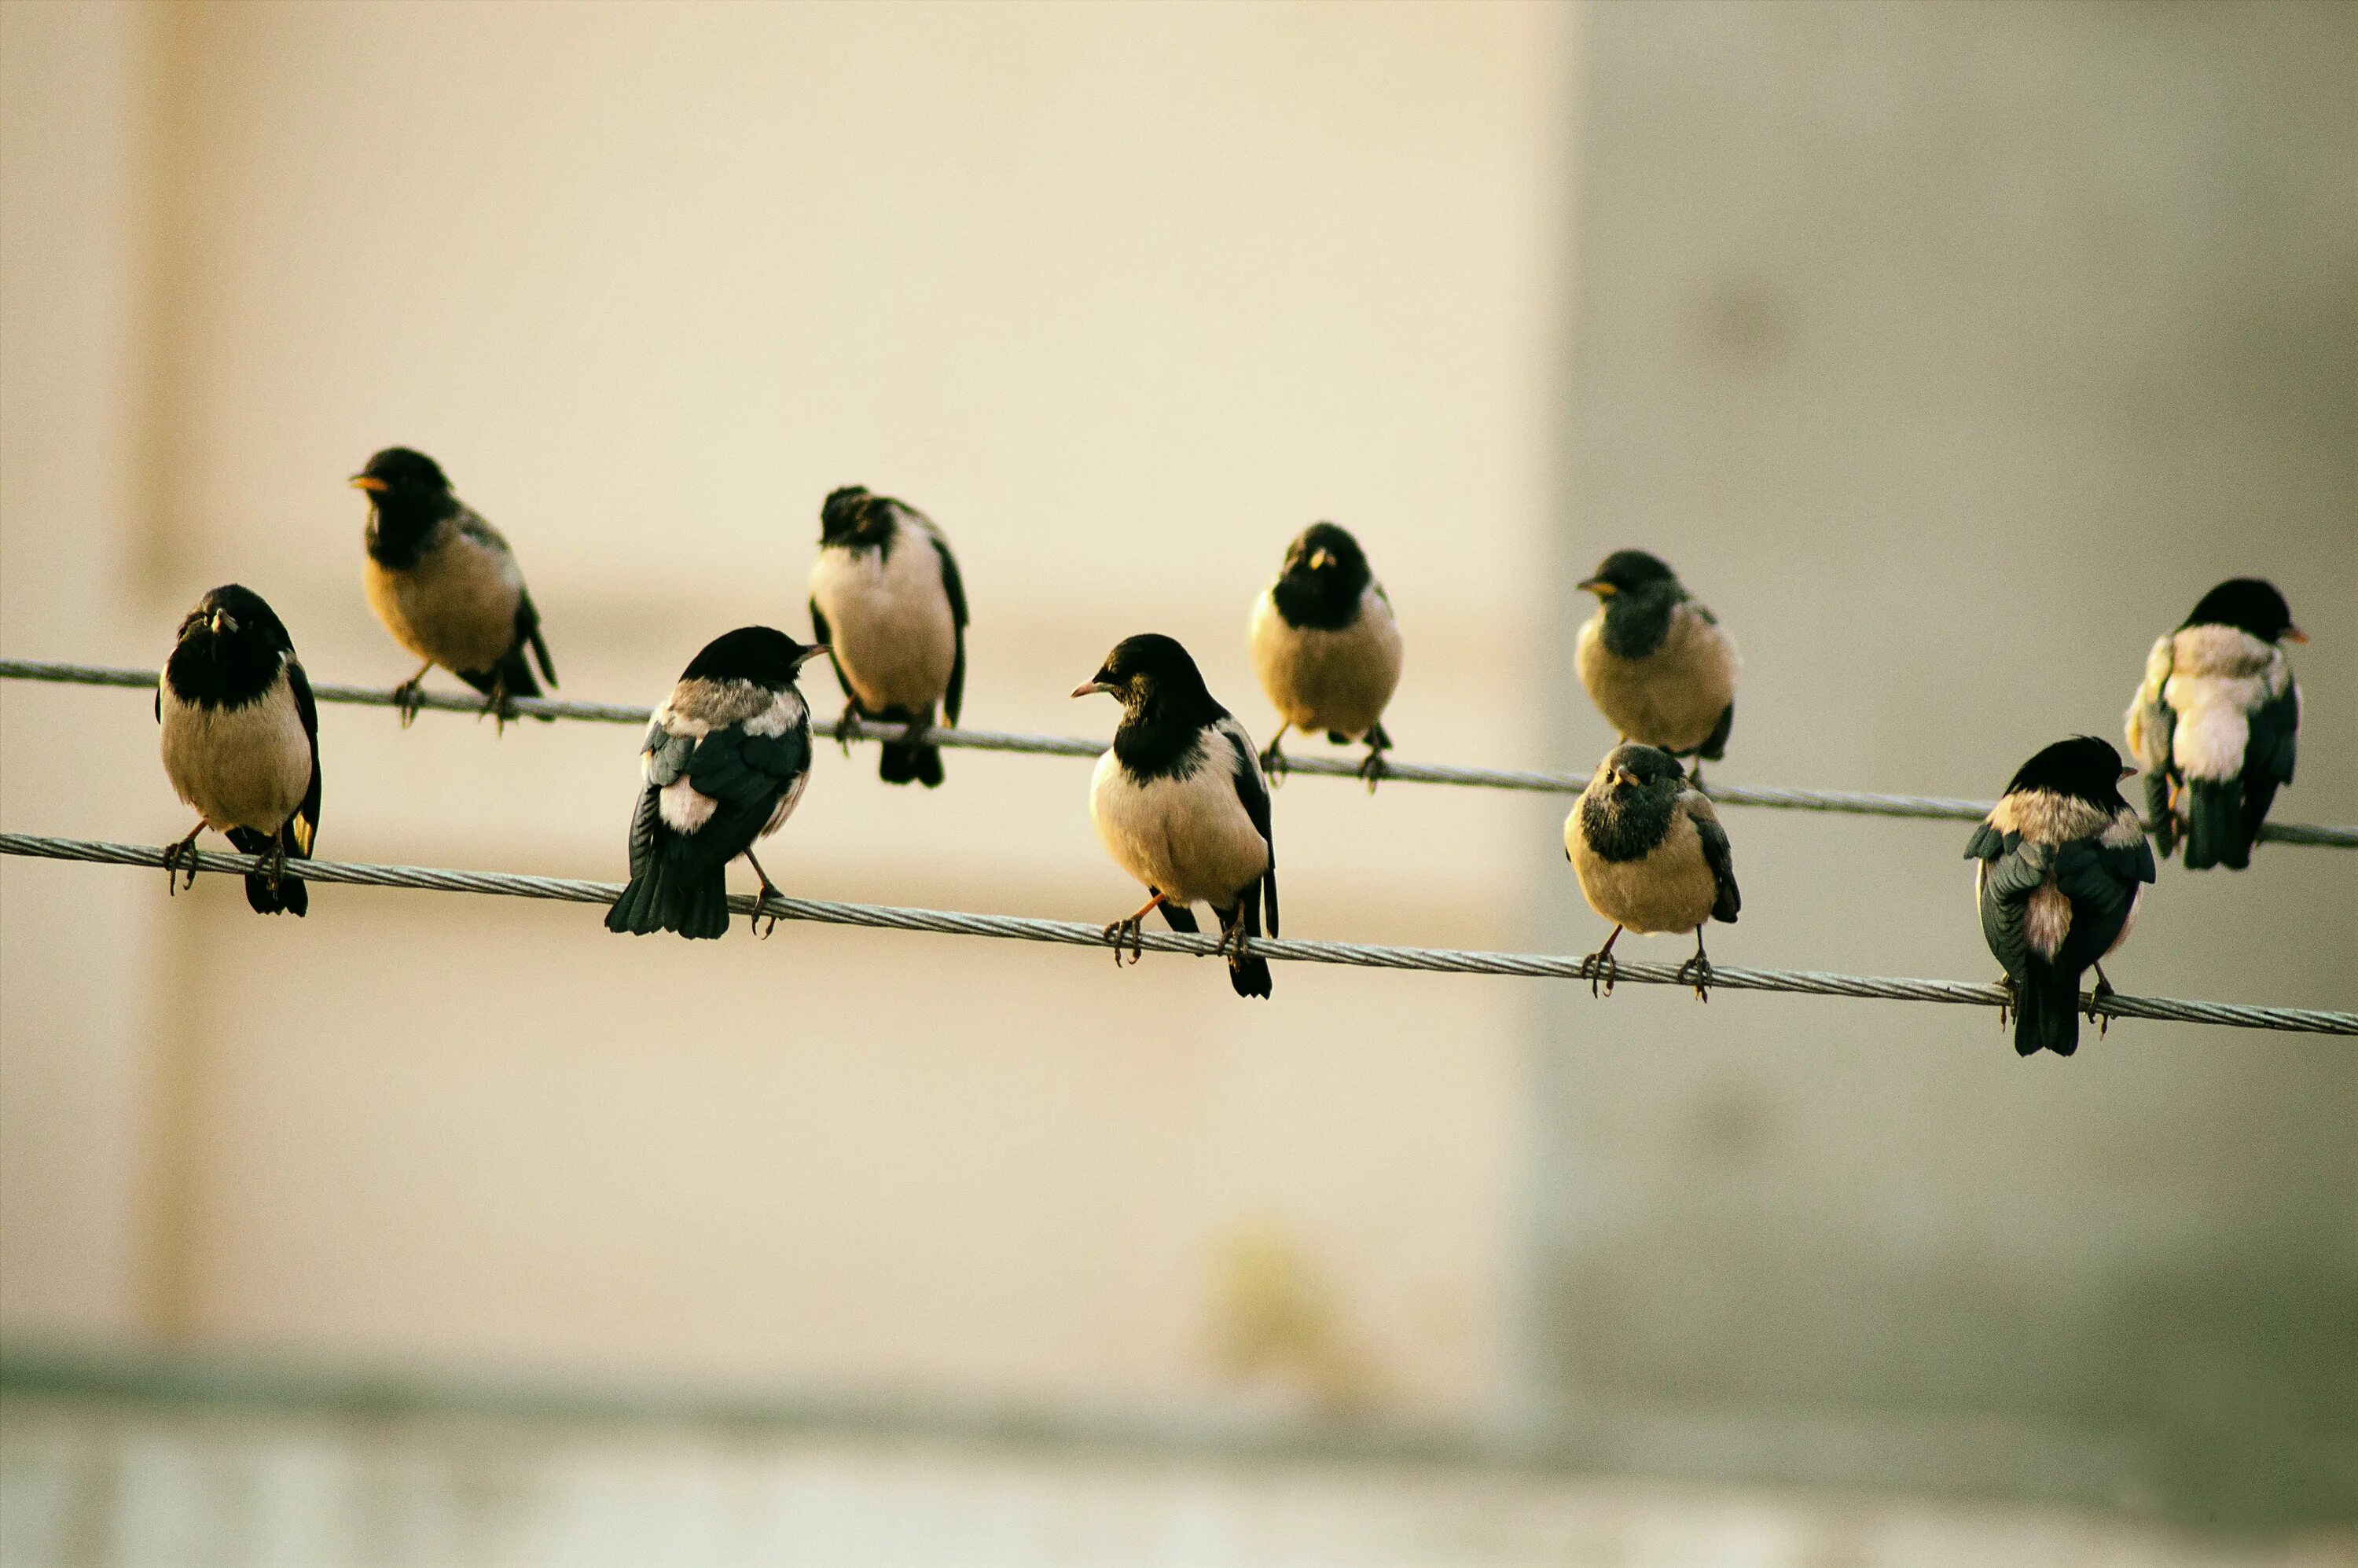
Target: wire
[[1849, 801], [1439, 960]]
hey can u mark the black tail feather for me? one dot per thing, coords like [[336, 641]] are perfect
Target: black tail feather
[[513, 675], [1714, 745], [1249, 974], [2157, 811], [2046, 1010], [661, 898], [2214, 826], [909, 764]]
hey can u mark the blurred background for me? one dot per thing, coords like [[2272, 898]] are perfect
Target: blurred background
[[1948, 352]]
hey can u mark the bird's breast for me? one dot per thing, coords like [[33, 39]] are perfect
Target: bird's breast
[[248, 766], [1669, 888], [1319, 679], [455, 605], [889, 621], [1188, 835]]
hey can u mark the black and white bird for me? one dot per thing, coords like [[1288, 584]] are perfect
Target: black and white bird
[[724, 762], [242, 741], [2063, 867], [886, 599], [1180, 805], [1651, 858], [1656, 663], [445, 584], [1326, 647], [2216, 722]]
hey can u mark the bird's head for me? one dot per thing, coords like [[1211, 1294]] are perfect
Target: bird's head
[[1630, 770], [1324, 552], [234, 614], [400, 480], [229, 648], [1147, 671], [1630, 572], [2248, 604], [2083, 768], [854, 515], [762, 655]]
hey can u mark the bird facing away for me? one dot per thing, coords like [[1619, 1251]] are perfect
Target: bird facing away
[[2062, 864], [1651, 856], [2216, 721], [1180, 805], [445, 584], [242, 741], [1326, 647], [725, 761], [886, 600], [1658, 663]]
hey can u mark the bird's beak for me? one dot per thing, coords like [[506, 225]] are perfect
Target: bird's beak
[[2128, 772], [810, 652], [2295, 634], [1624, 777], [1320, 561], [1599, 587], [1089, 687], [368, 483], [222, 620]]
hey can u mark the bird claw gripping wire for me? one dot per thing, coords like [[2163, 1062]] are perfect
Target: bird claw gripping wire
[[1232, 941], [2096, 1015], [174, 855], [846, 723], [1700, 968], [2006, 1008], [1373, 769], [408, 698], [1127, 930], [1600, 967]]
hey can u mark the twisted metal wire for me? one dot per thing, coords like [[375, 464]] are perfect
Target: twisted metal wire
[[1354, 955], [1849, 801]]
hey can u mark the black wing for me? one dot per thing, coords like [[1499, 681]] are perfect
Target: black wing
[[1254, 793], [955, 698], [2010, 871], [1720, 857], [748, 775], [2101, 880], [820, 630], [2275, 738], [306, 826], [527, 629]]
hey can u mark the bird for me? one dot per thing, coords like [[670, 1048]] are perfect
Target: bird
[[1327, 646], [1658, 663], [2063, 867], [1180, 805], [447, 585], [725, 761], [241, 740], [886, 598], [2216, 721], [1651, 858]]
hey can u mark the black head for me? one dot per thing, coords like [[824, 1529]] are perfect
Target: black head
[[2083, 768], [407, 496], [1629, 571], [400, 475], [1324, 575], [762, 654], [229, 648], [2248, 604], [855, 516], [1149, 670], [1631, 768]]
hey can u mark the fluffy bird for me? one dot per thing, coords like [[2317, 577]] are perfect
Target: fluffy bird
[[1180, 805], [1651, 858], [2063, 867], [1326, 647], [445, 584], [242, 741], [886, 599], [2216, 721], [724, 762], [1658, 663]]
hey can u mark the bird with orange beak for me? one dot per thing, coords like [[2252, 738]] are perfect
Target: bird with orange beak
[[1658, 663]]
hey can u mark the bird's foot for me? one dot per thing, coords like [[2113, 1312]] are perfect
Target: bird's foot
[[1127, 930], [408, 697], [174, 857], [846, 723], [1699, 968], [1273, 762], [1600, 968], [2006, 1008], [497, 708], [1694, 772], [1372, 768], [1232, 942], [277, 863], [2096, 995]]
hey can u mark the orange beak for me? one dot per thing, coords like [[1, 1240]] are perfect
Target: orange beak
[[368, 483]]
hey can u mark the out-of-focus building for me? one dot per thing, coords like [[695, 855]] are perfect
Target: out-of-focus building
[[1948, 353]]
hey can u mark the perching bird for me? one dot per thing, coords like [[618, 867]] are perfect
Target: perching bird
[[885, 597], [1651, 858], [2063, 861], [242, 741], [1326, 647], [445, 584], [1658, 664], [1181, 806], [2216, 722], [725, 761]]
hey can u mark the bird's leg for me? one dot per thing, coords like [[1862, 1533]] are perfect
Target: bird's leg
[[1372, 768], [2104, 987], [173, 855], [1272, 760], [407, 695], [845, 722], [1128, 927], [1600, 964], [1694, 772], [496, 706], [769, 892], [1700, 965], [1232, 935], [278, 856], [2006, 1008]]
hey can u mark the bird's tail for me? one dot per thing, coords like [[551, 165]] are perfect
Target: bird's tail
[[2045, 1009], [513, 675], [2159, 812], [909, 764], [663, 897], [1247, 973], [2215, 825], [289, 895]]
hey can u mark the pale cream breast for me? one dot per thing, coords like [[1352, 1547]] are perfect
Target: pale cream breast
[[239, 767], [1189, 837], [456, 606], [2218, 678], [1673, 697], [1670, 890], [889, 620], [1317, 679]]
